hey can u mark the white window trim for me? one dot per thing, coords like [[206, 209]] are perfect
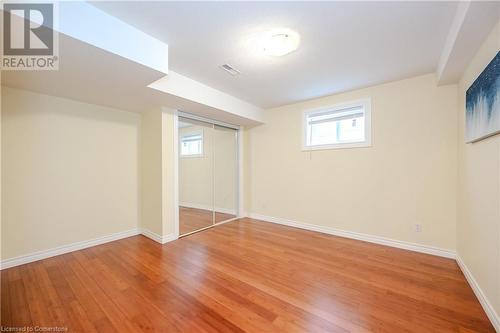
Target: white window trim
[[195, 132], [366, 102]]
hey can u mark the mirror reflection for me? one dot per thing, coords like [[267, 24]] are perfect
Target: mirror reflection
[[207, 175]]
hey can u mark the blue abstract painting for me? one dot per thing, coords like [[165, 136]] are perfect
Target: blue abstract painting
[[482, 103]]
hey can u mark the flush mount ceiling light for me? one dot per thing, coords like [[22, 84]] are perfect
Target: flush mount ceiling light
[[279, 42]]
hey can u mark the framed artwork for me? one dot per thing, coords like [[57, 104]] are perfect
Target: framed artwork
[[482, 104]]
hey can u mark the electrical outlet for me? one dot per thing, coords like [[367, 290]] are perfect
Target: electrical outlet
[[418, 227]]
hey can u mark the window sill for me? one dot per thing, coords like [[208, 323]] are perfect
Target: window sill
[[192, 156], [337, 146]]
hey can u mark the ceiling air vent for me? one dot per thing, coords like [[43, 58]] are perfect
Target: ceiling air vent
[[230, 70]]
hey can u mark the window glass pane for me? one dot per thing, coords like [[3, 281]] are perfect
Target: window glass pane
[[337, 126], [323, 133], [351, 130], [191, 144]]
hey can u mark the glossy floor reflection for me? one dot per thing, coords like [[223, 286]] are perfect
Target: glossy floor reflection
[[192, 219], [242, 276]]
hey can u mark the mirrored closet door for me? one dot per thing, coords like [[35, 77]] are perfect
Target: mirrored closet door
[[225, 173], [208, 177], [196, 164]]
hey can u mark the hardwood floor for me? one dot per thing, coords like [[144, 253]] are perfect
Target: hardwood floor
[[243, 276], [221, 217], [192, 219]]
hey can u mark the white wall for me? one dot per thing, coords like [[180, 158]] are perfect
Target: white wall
[[1, 246], [169, 149], [407, 177], [478, 227], [151, 171], [70, 171], [158, 175]]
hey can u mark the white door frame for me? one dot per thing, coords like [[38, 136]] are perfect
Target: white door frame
[[176, 173]]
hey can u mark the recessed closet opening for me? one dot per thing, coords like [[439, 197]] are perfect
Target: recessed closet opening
[[208, 178]]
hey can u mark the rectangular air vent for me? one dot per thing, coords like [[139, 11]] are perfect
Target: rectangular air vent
[[230, 69]]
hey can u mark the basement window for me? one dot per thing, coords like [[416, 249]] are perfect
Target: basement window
[[192, 144], [340, 126]]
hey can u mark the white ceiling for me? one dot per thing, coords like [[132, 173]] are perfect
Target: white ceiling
[[344, 46], [93, 75]]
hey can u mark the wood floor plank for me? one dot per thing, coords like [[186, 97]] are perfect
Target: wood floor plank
[[119, 320], [5, 312], [243, 276], [21, 315], [90, 307], [35, 298]]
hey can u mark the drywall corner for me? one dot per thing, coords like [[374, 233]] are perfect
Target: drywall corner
[[151, 171]]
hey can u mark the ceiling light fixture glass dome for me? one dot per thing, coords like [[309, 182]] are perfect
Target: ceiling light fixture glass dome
[[280, 42]]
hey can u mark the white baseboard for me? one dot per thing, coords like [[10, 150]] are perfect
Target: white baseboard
[[169, 238], [359, 236], [485, 303], [158, 238], [25, 259], [152, 235], [208, 207], [21, 260]]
